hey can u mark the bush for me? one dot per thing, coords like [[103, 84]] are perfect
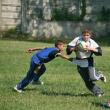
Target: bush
[[62, 14], [14, 34], [104, 14]]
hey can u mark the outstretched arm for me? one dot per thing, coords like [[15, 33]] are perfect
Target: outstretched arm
[[65, 56], [33, 49]]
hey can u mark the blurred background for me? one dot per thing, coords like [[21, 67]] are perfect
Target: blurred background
[[50, 19]]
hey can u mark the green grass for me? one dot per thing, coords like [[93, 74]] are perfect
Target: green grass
[[63, 85]]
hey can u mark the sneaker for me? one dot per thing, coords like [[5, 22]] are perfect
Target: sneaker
[[99, 94], [103, 78], [37, 82], [17, 90]]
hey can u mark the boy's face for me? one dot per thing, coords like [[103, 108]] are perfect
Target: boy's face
[[86, 36], [61, 47]]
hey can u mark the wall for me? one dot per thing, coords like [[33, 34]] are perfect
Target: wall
[[24, 14], [10, 13], [69, 29]]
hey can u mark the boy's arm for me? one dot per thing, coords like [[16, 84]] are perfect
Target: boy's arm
[[65, 56], [70, 49], [72, 46], [97, 51], [33, 49]]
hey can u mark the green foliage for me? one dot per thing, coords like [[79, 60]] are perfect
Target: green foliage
[[14, 34], [103, 40], [104, 14], [62, 14]]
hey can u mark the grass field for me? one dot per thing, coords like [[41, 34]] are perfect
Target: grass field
[[63, 85]]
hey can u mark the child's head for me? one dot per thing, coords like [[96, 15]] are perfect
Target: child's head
[[86, 34], [59, 44]]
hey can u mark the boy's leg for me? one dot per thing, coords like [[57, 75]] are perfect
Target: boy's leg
[[39, 73], [95, 75], [89, 84], [28, 78]]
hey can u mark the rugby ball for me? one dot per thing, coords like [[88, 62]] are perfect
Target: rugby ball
[[81, 45]]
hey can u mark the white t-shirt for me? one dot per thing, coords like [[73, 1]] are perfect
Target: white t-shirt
[[83, 54]]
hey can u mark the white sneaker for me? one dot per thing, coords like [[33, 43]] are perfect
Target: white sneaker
[[99, 94], [103, 78], [17, 90], [37, 82]]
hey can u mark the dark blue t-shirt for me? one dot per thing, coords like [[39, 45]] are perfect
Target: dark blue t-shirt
[[45, 55]]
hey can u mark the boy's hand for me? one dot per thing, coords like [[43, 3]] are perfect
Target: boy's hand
[[70, 59], [29, 50], [91, 49]]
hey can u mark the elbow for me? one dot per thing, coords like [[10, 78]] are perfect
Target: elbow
[[99, 53], [68, 49]]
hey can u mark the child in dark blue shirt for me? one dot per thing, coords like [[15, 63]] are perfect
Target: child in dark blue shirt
[[37, 67]]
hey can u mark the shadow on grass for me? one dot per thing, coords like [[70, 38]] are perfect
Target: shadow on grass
[[66, 94], [98, 104], [35, 88], [55, 93], [28, 89]]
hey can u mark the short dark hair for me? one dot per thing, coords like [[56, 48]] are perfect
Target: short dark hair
[[86, 31], [58, 42]]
